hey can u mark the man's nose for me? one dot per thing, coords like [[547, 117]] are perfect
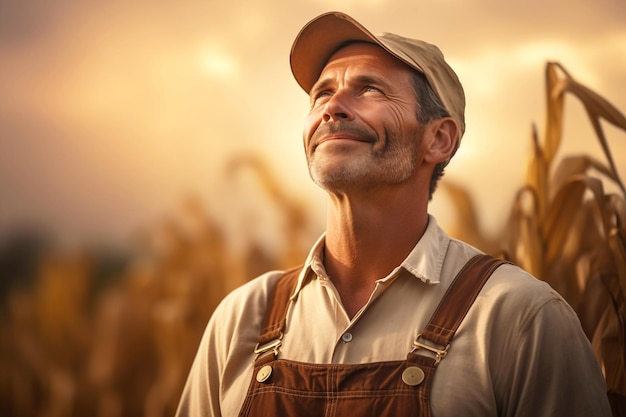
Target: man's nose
[[338, 107]]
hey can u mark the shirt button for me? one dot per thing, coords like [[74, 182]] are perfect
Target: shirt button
[[346, 337]]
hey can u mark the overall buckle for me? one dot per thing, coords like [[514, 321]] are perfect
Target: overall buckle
[[439, 352], [272, 345]]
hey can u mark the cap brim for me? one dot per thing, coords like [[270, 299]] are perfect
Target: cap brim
[[318, 40]]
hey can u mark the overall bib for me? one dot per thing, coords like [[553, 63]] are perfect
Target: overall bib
[[285, 388]]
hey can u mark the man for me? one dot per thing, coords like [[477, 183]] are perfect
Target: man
[[349, 332]]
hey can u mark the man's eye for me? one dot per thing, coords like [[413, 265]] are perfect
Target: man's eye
[[320, 96], [371, 88]]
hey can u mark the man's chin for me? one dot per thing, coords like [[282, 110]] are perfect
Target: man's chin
[[338, 178]]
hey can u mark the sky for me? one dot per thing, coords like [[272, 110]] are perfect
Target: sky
[[112, 112]]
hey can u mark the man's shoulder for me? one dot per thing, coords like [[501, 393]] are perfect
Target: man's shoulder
[[252, 295], [515, 296], [510, 287], [235, 324], [513, 280], [507, 279]]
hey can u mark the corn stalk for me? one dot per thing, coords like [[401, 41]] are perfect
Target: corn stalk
[[566, 230]]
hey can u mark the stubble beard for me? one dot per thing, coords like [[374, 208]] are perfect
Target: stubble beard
[[392, 164]]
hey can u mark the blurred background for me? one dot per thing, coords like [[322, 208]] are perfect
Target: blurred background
[[151, 161]]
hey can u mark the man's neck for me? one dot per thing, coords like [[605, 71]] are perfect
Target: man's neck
[[366, 239]]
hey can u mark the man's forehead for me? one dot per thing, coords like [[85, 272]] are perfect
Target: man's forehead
[[365, 54]]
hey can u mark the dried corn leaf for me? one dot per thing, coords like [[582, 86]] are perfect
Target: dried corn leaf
[[618, 248], [577, 165], [537, 175], [594, 297], [554, 112], [585, 244], [466, 226], [526, 244], [597, 107], [608, 345], [563, 209], [605, 146]]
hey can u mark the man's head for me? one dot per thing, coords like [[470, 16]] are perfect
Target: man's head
[[327, 33], [321, 38]]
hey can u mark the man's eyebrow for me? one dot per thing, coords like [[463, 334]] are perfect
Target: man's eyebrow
[[364, 79], [368, 79]]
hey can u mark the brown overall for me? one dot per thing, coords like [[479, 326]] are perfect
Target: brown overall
[[394, 388]]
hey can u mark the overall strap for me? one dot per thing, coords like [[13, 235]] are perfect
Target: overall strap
[[276, 311], [440, 329], [456, 303]]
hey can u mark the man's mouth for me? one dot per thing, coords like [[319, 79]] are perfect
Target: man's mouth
[[340, 133], [340, 137]]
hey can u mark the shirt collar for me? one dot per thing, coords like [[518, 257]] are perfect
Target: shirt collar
[[426, 259], [424, 262]]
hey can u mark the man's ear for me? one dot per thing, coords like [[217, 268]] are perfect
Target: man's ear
[[444, 139]]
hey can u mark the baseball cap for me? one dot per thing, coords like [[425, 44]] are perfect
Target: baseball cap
[[319, 39]]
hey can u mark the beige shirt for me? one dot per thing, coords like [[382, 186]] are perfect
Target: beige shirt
[[519, 352]]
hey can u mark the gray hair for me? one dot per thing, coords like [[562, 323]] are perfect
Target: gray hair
[[429, 107]]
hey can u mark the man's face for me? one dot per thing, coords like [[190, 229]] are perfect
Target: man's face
[[362, 129]]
